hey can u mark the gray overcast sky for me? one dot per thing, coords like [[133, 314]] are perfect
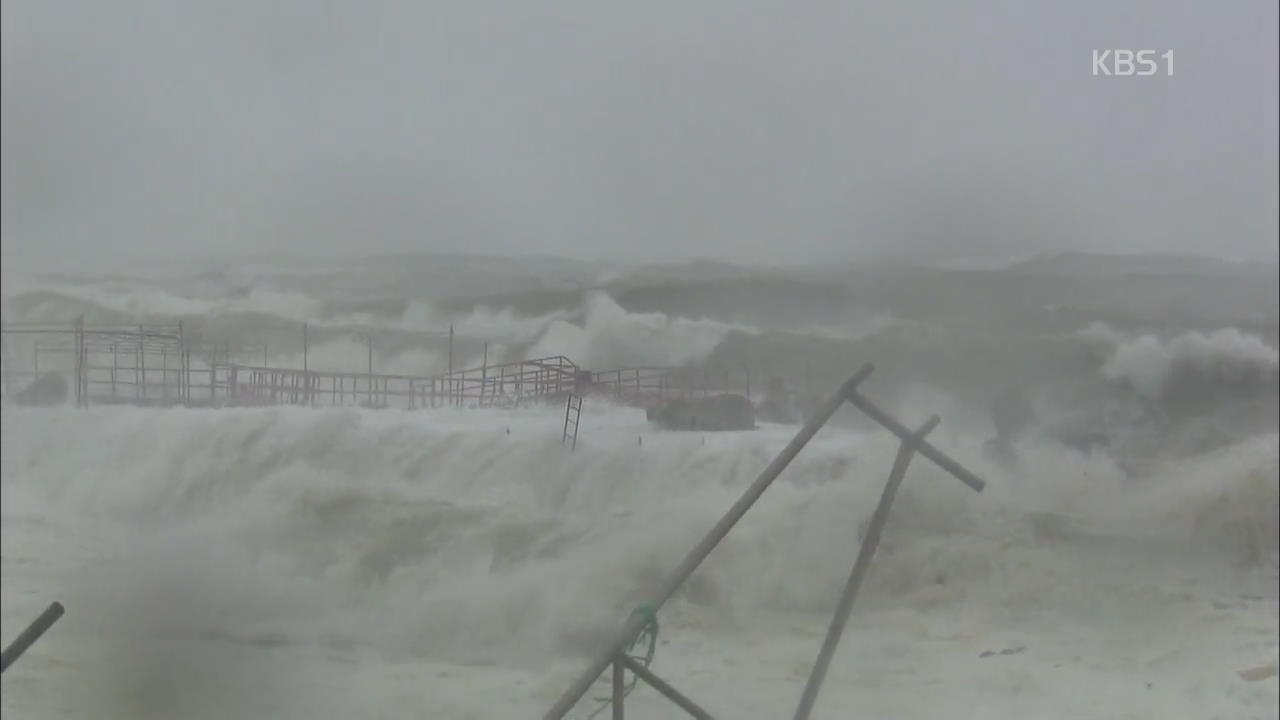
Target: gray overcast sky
[[740, 130]]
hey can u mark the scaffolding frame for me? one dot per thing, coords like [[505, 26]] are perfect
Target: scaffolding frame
[[911, 443]]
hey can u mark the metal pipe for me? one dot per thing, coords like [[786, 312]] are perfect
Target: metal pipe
[[619, 689], [926, 449], [860, 566], [667, 691], [708, 543], [33, 632]]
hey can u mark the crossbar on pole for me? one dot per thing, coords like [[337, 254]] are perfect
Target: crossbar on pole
[[926, 449], [663, 687]]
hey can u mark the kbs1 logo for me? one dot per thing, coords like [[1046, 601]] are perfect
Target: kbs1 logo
[[1126, 63]]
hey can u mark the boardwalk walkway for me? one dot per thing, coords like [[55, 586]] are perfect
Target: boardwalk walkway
[[153, 365]]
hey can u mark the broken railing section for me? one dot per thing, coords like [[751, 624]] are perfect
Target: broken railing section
[[912, 442], [29, 636]]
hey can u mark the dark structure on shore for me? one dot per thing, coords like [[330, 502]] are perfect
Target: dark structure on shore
[[713, 413]]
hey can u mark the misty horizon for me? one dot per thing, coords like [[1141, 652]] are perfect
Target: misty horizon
[[756, 134]]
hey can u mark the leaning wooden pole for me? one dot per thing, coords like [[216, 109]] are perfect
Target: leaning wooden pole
[[29, 636], [695, 711]]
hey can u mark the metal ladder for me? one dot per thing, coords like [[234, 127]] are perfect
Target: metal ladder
[[572, 411]]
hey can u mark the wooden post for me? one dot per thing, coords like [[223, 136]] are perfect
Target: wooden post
[[484, 372], [182, 364], [29, 636], [370, 339], [182, 371], [306, 350], [619, 689], [142, 362], [79, 348]]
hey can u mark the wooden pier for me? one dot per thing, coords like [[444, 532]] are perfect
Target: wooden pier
[[152, 365]]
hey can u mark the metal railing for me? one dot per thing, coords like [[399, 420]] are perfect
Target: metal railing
[[655, 384], [172, 365], [912, 442]]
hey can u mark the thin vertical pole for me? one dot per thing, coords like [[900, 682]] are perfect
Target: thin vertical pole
[[906, 450], [142, 362], [370, 341], [79, 344], [84, 363], [619, 689], [306, 348], [484, 373], [182, 364]]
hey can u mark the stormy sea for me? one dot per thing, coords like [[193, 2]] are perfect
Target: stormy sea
[[462, 562]]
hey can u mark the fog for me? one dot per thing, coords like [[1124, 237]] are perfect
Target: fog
[[749, 131]]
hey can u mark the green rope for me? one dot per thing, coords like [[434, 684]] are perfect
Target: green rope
[[641, 650]]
